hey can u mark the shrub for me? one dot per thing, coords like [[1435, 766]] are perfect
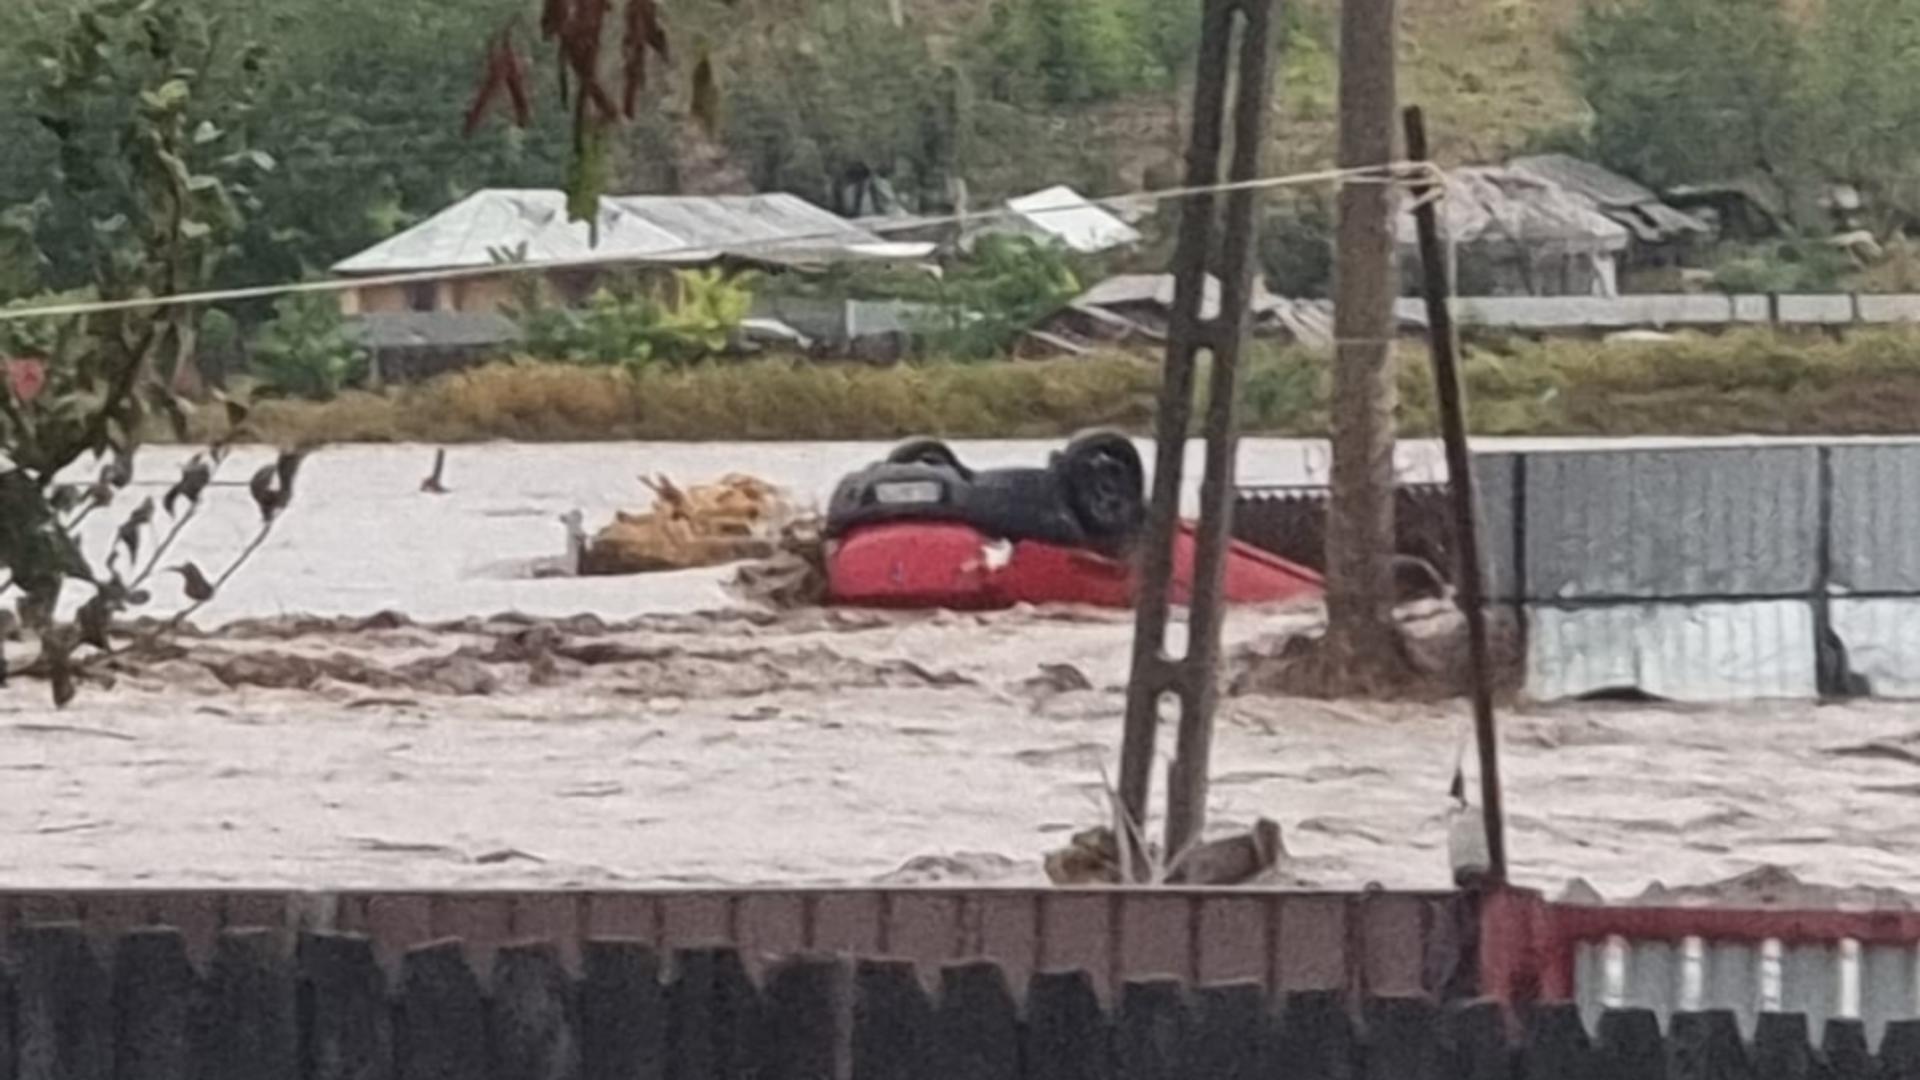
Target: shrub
[[695, 315], [986, 303], [306, 352]]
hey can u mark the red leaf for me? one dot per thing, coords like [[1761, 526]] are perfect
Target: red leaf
[[500, 59], [645, 30], [26, 377]]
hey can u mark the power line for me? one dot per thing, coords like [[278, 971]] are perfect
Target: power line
[[1396, 173]]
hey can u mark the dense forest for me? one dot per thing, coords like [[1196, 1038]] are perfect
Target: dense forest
[[862, 105]]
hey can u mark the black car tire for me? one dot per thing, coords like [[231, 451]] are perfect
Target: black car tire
[[932, 452], [1105, 485]]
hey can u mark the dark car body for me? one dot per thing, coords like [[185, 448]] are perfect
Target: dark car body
[[1046, 503]]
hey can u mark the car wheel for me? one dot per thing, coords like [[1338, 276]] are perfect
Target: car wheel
[[1105, 485], [931, 452]]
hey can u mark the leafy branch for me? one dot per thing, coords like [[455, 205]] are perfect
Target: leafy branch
[[152, 156]]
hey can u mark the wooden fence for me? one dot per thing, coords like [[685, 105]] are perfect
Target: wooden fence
[[327, 1010]]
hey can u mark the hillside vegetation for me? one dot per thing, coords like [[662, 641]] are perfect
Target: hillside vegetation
[[361, 107]]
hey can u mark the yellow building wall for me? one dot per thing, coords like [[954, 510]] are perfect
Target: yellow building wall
[[489, 293]]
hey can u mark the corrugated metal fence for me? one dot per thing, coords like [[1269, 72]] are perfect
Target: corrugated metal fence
[[1853, 967], [1768, 570]]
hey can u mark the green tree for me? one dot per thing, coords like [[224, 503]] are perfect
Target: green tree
[[1002, 290], [1860, 118], [306, 352], [841, 96], [1691, 90], [148, 110], [1068, 51]]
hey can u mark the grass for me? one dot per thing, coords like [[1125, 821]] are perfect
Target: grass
[[1752, 382]]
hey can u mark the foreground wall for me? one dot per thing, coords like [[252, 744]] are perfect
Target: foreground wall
[[327, 1011], [1375, 942]]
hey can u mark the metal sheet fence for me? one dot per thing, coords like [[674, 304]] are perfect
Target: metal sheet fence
[[1853, 967], [326, 1010], [1782, 569]]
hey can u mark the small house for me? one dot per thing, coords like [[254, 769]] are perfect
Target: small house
[[1659, 236], [498, 227], [1511, 233]]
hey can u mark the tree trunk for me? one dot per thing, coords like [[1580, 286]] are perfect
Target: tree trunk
[[1360, 534]]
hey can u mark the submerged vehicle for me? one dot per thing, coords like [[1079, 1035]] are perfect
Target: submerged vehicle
[[920, 529]]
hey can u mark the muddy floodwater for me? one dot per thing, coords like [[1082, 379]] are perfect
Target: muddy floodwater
[[395, 701]]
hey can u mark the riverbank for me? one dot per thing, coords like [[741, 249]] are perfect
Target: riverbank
[[1758, 382]]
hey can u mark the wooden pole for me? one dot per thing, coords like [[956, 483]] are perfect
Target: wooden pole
[[1187, 777], [1444, 342], [1360, 638]]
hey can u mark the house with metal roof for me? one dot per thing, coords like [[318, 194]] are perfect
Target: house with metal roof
[[498, 226], [1651, 221], [1514, 234]]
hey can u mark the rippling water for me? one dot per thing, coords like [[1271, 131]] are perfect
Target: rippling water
[[809, 748]]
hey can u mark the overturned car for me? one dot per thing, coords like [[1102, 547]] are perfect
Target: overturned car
[[921, 529]]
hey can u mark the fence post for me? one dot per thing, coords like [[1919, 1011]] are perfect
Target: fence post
[[623, 1013], [1631, 1046], [7, 1058], [1900, 1049], [891, 1021], [441, 1031], [153, 991], [714, 1012], [1845, 1048], [1477, 1042], [64, 1030], [808, 1033], [1066, 1031], [976, 1025], [530, 1016], [1781, 1050], [1706, 1046], [1556, 1046], [1230, 1034], [1317, 1039], [349, 1021], [1403, 1039], [250, 1033], [1150, 1031]]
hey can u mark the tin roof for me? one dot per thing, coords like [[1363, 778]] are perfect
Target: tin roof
[[1507, 208], [532, 226], [1065, 215], [1620, 198]]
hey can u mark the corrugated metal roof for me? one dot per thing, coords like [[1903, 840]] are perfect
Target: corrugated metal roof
[[1491, 206], [1309, 322], [1699, 652], [1620, 198], [532, 226], [1672, 523], [1068, 217]]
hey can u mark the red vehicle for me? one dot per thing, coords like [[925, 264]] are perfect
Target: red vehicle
[[921, 530]]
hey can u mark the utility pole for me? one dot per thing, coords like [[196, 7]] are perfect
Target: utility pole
[[1214, 240], [1360, 527]]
